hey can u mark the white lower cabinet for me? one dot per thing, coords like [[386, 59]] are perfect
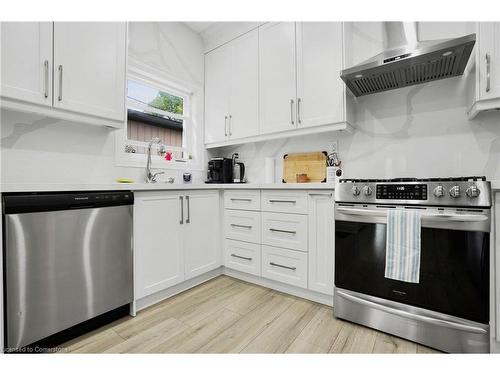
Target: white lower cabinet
[[242, 225], [201, 233], [287, 266], [159, 260], [284, 230], [176, 237], [242, 256], [321, 242]]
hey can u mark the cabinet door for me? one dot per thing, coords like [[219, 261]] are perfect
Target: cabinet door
[[202, 233], [157, 243], [277, 82], [321, 242], [320, 91], [89, 68], [489, 56], [27, 61], [244, 96], [217, 89]]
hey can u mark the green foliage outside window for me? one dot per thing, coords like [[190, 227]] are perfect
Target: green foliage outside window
[[167, 102]]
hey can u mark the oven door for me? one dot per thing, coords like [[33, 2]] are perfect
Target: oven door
[[454, 266]]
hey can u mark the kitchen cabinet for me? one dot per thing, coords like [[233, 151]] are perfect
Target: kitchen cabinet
[[201, 232], [89, 68], [321, 239], [231, 90], [68, 70], [277, 81], [27, 62], [486, 88], [176, 237], [320, 91], [158, 251]]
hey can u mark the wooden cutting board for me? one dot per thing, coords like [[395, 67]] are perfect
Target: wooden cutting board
[[311, 163]]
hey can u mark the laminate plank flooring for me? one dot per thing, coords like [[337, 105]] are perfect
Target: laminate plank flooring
[[225, 315]]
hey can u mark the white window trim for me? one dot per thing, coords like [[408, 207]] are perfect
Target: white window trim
[[149, 76]]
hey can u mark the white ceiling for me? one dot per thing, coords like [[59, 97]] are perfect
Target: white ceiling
[[199, 27]]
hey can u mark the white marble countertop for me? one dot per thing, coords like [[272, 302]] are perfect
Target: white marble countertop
[[30, 187], [495, 184]]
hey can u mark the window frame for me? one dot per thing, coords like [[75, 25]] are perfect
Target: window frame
[[161, 82]]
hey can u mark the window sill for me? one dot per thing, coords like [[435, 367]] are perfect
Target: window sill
[[140, 161]]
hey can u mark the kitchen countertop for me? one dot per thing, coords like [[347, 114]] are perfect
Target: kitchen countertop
[[495, 184], [30, 187]]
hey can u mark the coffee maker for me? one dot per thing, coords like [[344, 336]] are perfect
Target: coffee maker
[[220, 171]]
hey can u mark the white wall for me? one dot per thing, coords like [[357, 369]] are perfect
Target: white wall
[[36, 149], [417, 131]]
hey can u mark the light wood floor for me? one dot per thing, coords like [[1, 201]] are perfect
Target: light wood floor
[[225, 315]]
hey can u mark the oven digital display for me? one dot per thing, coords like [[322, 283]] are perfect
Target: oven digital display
[[403, 191]]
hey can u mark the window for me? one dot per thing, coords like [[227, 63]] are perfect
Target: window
[[154, 112]]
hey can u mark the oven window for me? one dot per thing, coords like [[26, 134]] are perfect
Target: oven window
[[454, 269]]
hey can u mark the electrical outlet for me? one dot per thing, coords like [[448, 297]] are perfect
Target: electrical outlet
[[333, 146]]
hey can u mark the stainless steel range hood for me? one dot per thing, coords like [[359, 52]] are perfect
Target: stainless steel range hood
[[407, 61]]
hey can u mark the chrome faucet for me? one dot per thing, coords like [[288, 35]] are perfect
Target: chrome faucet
[[150, 176]]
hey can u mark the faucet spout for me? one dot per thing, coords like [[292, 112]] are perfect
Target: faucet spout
[[150, 176]]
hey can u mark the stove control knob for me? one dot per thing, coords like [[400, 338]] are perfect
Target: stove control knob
[[355, 190], [439, 191], [473, 191], [455, 191], [367, 191]]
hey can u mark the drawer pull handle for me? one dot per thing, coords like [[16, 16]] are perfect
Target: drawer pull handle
[[282, 231], [241, 199], [282, 266], [239, 256], [241, 226], [281, 201]]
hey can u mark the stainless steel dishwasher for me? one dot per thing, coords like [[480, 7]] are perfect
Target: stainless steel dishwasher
[[67, 259]]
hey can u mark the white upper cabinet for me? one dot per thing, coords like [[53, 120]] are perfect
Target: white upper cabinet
[[486, 91], [232, 89], [277, 87], [89, 68], [320, 91], [244, 94], [27, 61], [73, 71], [217, 91]]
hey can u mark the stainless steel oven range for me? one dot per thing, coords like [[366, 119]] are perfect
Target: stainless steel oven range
[[448, 309]]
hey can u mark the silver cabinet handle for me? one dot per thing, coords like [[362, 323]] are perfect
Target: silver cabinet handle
[[241, 199], [299, 120], [282, 231], [60, 82], [230, 124], [422, 318], [282, 266], [239, 256], [189, 210], [281, 201], [241, 226], [225, 126], [488, 71], [291, 112], [46, 81], [320, 194], [181, 198]]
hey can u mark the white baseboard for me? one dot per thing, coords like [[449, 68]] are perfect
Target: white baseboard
[[271, 284], [324, 299]]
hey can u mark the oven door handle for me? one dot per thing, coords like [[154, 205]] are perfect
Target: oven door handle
[[405, 314], [427, 217]]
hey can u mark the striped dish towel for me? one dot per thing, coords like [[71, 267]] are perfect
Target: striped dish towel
[[402, 258]]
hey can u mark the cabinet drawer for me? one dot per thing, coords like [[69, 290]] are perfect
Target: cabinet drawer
[[284, 230], [287, 266], [294, 202], [242, 225], [242, 256], [242, 200]]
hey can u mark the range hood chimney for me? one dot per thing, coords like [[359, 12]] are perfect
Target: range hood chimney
[[406, 61]]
